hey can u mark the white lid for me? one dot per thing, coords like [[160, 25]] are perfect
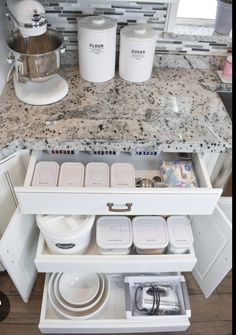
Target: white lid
[[150, 232], [229, 58], [96, 23], [122, 175], [180, 232], [62, 226], [97, 174], [114, 232], [138, 32], [71, 174], [46, 174]]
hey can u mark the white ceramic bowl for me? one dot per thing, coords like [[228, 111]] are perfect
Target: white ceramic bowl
[[76, 308], [79, 288], [78, 315]]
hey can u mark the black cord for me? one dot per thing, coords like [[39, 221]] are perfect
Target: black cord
[[154, 291]]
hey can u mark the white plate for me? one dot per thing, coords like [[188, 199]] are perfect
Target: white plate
[[79, 288], [76, 308], [78, 315]]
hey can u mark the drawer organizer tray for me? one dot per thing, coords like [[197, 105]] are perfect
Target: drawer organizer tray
[[109, 200], [112, 319]]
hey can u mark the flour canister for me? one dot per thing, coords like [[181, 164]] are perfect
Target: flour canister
[[137, 49], [97, 48]]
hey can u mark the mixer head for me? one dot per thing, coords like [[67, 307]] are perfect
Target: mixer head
[[28, 16]]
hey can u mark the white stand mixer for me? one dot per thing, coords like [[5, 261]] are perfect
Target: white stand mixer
[[35, 55]]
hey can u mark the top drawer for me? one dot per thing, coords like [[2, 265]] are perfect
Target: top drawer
[[109, 200]]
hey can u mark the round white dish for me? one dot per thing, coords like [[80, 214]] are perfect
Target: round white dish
[[78, 315], [79, 288], [75, 308]]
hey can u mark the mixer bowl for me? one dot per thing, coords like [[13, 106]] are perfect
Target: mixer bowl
[[36, 58]]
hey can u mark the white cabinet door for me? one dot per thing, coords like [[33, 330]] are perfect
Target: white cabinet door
[[213, 246], [17, 251]]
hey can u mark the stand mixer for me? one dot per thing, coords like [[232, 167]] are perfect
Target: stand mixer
[[35, 55]]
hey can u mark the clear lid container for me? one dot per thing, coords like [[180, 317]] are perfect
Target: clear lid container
[[150, 232], [140, 32], [97, 23], [97, 174], [64, 225], [180, 232], [46, 174], [71, 174], [122, 175], [114, 232]]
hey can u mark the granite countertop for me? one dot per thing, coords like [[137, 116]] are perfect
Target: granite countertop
[[176, 110]]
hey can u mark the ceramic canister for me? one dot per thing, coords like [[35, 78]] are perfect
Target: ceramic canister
[[97, 48], [137, 49]]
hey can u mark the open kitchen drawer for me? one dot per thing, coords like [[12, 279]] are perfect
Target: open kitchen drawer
[[104, 201], [112, 318]]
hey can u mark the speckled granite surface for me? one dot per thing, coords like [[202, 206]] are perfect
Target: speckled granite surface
[[176, 110]]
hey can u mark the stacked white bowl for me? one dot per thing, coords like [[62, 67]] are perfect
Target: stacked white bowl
[[78, 295]]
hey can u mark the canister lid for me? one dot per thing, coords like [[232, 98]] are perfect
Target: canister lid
[[150, 232], [138, 32], [180, 232], [114, 232], [62, 226], [96, 23]]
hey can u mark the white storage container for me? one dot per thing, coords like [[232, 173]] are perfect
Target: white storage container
[[68, 234], [150, 234], [46, 174], [97, 48], [114, 235], [180, 234], [71, 174], [137, 49], [97, 174], [122, 175]]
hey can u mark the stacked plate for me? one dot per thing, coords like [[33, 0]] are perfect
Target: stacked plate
[[78, 295]]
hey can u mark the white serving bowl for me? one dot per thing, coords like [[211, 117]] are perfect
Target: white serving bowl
[[78, 315]]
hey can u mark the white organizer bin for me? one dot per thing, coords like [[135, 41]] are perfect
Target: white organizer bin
[[180, 234], [97, 174], [114, 235], [71, 174], [150, 234], [66, 234], [122, 175], [46, 174]]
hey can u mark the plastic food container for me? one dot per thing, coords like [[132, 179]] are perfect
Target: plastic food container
[[114, 235], [71, 174], [180, 234], [97, 175], [150, 234], [122, 175], [69, 234], [46, 174]]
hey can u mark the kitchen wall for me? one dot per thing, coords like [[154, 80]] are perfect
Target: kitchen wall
[[4, 67]]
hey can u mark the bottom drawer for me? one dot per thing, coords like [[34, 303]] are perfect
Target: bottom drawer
[[113, 317]]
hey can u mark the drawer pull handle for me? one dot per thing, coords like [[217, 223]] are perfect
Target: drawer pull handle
[[111, 209]]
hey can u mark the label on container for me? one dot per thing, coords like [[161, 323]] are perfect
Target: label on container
[[96, 48], [65, 245], [138, 54]]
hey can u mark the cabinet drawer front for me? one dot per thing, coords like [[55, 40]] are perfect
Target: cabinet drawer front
[[109, 200], [92, 261], [112, 319]]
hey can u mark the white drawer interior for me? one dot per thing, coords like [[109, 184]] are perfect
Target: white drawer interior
[[92, 261], [113, 316]]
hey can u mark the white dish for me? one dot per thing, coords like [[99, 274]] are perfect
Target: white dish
[[75, 308], [78, 315], [79, 288]]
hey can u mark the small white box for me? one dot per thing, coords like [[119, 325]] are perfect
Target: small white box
[[71, 174], [46, 174], [122, 175], [97, 174], [114, 235], [150, 234], [180, 234]]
